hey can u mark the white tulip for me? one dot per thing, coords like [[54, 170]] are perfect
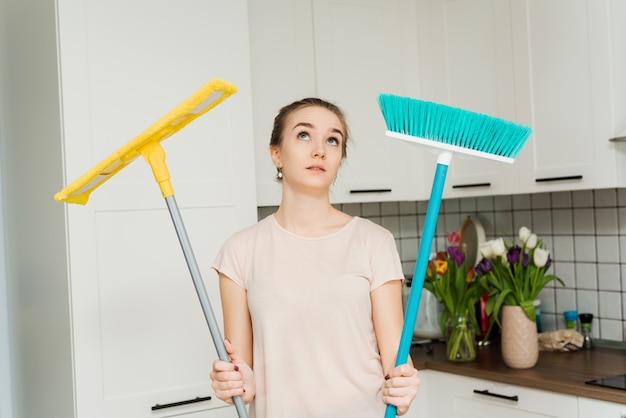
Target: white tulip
[[485, 249], [524, 234], [531, 242], [540, 257], [497, 247]]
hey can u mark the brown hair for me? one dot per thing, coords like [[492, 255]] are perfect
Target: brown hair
[[279, 121]]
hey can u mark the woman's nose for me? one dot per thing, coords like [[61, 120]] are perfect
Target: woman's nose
[[319, 151]]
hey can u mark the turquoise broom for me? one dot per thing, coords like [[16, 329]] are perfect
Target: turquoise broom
[[446, 131]]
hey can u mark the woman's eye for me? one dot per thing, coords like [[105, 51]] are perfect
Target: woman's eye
[[303, 136], [333, 141]]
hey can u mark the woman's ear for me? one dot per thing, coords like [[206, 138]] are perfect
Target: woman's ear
[[275, 155]]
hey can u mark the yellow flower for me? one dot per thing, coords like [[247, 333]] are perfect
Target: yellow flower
[[441, 266]]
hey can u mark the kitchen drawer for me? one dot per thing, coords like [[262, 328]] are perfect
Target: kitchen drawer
[[465, 397], [593, 408]]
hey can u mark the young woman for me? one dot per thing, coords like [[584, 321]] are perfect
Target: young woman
[[311, 296]]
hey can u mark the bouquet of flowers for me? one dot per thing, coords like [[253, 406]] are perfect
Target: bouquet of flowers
[[452, 282], [513, 274]]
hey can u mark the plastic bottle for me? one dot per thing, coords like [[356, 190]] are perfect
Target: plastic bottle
[[571, 319]]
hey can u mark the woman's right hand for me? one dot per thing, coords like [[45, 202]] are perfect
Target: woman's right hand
[[233, 379]]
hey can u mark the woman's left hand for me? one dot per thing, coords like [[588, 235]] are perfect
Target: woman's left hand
[[401, 386]]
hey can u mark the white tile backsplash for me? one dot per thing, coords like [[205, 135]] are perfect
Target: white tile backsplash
[[562, 200], [585, 248], [607, 249], [584, 221], [542, 222], [605, 198], [563, 248], [610, 305], [562, 222], [587, 301], [582, 199], [606, 221], [611, 329], [540, 201], [609, 277], [587, 276]]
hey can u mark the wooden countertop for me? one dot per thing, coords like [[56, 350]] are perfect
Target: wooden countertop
[[562, 372]]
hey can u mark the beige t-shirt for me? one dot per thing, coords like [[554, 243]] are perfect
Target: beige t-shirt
[[315, 352]]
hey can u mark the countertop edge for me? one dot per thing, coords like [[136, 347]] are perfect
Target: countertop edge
[[543, 378]]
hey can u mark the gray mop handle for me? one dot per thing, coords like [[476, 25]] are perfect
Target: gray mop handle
[[201, 291]]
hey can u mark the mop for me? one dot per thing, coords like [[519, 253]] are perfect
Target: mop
[[148, 145]]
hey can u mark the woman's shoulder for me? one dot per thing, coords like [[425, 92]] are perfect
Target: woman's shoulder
[[254, 229], [370, 227]]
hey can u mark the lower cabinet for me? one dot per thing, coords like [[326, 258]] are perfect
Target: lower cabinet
[[593, 408], [450, 395]]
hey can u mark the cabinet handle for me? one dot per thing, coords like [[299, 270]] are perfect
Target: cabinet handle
[[466, 186], [579, 177], [180, 403], [513, 398], [619, 139], [370, 191]]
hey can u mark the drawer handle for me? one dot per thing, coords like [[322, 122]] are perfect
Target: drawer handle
[[467, 186], [513, 398], [545, 179], [370, 191], [180, 403]]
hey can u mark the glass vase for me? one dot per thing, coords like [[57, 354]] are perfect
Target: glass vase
[[460, 333]]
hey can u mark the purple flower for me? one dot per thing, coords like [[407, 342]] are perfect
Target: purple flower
[[483, 267], [514, 254], [525, 260], [456, 254]]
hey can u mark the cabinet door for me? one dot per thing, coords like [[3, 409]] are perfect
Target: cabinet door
[[464, 397], [465, 55], [593, 408], [139, 334], [563, 72], [283, 70], [364, 48]]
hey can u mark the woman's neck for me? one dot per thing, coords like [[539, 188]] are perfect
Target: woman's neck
[[309, 216]]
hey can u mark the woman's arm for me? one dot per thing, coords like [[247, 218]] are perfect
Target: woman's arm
[[388, 318], [237, 323], [402, 382], [235, 378]]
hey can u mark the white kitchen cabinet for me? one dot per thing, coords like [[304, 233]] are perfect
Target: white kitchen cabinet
[[466, 61], [105, 319], [457, 396], [554, 65], [345, 51], [594, 408], [569, 65]]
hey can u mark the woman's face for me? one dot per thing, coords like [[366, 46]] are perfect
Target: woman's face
[[310, 152]]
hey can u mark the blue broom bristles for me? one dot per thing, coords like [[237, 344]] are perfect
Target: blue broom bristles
[[453, 126]]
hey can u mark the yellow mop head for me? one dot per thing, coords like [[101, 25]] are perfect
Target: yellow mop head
[[148, 145]]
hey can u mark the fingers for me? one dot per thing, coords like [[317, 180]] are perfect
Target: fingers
[[401, 387], [226, 380], [231, 378]]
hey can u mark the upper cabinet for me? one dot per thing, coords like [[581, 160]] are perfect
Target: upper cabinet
[[554, 65], [346, 52], [569, 63], [465, 59]]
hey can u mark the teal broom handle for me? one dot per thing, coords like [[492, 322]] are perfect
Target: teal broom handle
[[216, 334], [419, 273]]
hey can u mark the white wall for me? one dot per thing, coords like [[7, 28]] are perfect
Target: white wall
[[6, 403], [35, 281]]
